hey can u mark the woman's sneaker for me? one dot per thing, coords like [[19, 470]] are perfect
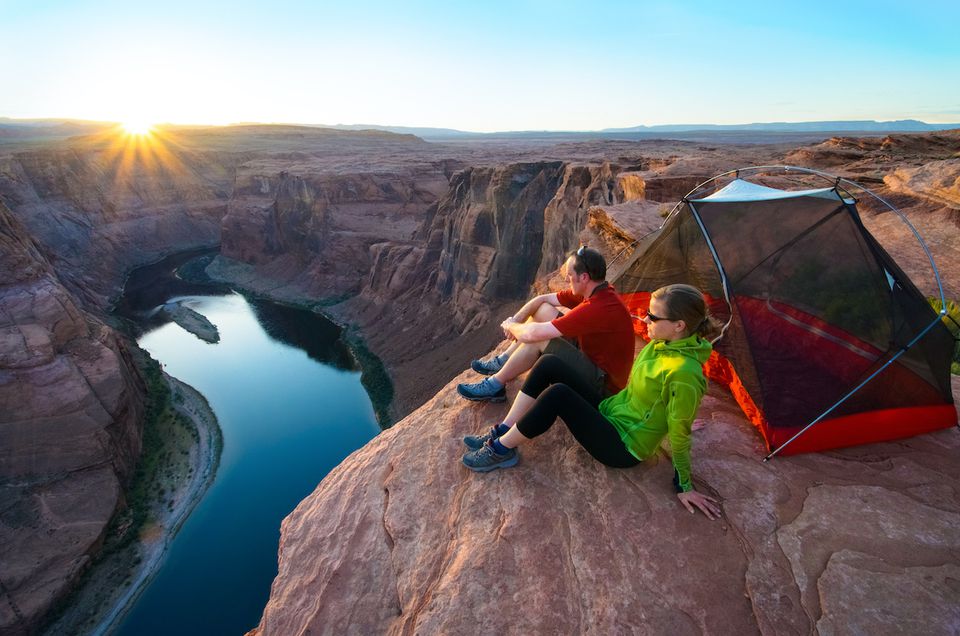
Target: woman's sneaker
[[475, 442], [487, 367], [485, 459]]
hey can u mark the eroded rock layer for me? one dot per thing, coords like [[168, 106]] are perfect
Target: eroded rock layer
[[480, 248], [97, 211], [70, 411]]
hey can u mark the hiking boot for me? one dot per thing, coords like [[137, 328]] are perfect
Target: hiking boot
[[485, 459], [479, 391], [487, 367], [476, 442]]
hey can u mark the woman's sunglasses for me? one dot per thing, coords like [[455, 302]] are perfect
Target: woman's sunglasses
[[656, 318]]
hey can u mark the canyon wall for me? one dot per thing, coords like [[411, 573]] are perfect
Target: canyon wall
[[427, 258], [430, 305], [310, 234], [71, 406], [98, 212]]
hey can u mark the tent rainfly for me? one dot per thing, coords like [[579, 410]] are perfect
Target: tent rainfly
[[826, 342]]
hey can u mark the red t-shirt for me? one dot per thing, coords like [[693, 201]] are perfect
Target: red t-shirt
[[604, 331]]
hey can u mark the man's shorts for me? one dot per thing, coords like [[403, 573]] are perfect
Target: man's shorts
[[580, 363]]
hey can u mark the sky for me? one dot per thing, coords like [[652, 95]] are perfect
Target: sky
[[480, 66]]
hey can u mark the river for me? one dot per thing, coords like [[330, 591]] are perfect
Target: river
[[288, 397]]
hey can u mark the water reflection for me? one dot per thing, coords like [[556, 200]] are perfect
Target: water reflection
[[298, 328]]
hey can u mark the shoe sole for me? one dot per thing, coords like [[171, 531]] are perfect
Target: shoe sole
[[486, 469], [484, 398]]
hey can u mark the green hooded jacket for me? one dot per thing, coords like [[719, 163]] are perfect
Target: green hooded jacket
[[661, 400]]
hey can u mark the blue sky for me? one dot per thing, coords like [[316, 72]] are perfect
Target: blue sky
[[519, 65]]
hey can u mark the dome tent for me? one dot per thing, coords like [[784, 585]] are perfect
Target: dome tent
[[826, 341]]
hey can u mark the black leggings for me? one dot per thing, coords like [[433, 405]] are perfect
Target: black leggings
[[560, 392]]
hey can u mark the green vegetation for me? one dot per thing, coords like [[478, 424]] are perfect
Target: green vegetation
[[952, 322], [168, 437], [373, 376]]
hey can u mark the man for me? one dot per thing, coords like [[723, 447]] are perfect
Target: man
[[598, 320]]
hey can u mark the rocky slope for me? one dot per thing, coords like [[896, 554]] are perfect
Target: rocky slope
[[100, 210], [919, 174], [402, 539], [70, 424]]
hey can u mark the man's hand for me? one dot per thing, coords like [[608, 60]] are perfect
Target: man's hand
[[505, 325], [693, 500]]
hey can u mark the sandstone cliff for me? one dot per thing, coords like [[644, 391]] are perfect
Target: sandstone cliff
[[70, 411], [311, 233], [98, 210], [429, 305], [402, 539], [938, 181]]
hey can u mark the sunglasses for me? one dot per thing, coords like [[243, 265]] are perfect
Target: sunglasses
[[656, 318], [580, 251]]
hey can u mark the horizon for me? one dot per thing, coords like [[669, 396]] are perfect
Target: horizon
[[140, 128], [527, 66]]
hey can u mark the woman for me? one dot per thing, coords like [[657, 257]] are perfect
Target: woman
[[660, 400]]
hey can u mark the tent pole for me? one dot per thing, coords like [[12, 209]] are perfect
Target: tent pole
[[858, 387], [916, 234], [716, 261], [836, 180]]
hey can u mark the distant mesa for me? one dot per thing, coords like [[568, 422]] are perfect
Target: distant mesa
[[866, 125], [19, 130]]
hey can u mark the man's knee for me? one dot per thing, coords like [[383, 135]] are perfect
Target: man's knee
[[545, 313]]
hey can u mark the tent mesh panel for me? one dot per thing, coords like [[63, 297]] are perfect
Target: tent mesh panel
[[817, 305]]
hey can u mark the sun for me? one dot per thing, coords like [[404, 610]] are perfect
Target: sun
[[137, 127]]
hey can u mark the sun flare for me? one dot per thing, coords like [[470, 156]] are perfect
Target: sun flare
[[137, 127]]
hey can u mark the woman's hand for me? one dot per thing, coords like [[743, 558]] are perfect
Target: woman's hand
[[693, 500]]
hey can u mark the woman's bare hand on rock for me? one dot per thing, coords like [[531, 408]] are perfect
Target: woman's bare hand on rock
[[694, 500]]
